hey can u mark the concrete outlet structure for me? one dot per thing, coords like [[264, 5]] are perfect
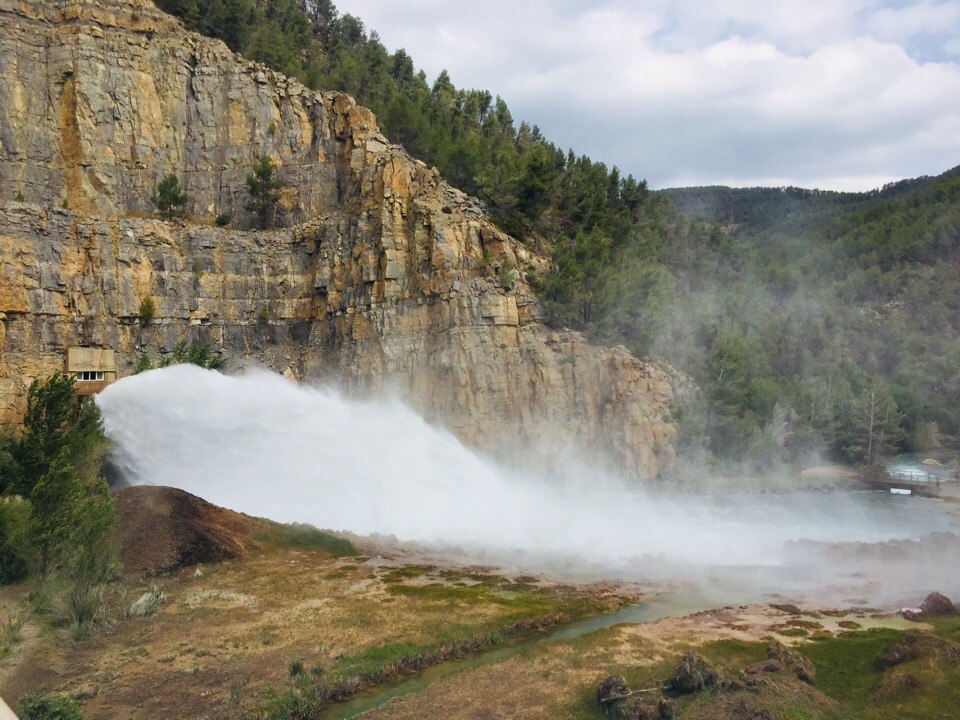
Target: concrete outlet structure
[[92, 368]]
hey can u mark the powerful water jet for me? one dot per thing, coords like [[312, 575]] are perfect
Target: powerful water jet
[[261, 444]]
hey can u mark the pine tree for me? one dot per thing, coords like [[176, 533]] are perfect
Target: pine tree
[[264, 187], [170, 199]]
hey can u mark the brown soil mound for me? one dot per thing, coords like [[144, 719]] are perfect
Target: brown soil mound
[[161, 529]]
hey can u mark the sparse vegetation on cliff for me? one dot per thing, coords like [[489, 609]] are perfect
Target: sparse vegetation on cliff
[[196, 352], [823, 297], [170, 199], [264, 188], [148, 310]]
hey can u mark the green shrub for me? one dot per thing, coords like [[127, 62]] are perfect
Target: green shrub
[[309, 538], [196, 353], [48, 707], [18, 197], [507, 273], [170, 199], [14, 539], [57, 511], [144, 363], [264, 188], [222, 220], [147, 310]]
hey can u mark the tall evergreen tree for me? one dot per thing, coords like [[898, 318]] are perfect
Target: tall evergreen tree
[[264, 188]]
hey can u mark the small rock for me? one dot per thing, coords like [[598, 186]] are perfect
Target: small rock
[[765, 666], [911, 613], [198, 573], [691, 675]]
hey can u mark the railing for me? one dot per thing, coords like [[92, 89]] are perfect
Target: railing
[[921, 477]]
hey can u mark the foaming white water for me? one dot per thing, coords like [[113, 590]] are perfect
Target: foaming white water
[[265, 446]]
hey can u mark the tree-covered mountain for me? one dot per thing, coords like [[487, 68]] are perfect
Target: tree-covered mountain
[[809, 320], [838, 305]]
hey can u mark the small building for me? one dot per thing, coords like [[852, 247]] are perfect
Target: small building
[[92, 368]]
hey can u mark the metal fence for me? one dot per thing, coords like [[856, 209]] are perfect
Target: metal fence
[[922, 477]]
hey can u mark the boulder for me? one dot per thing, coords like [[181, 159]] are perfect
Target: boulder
[[691, 675], [619, 703], [613, 689], [792, 660], [914, 645], [937, 605]]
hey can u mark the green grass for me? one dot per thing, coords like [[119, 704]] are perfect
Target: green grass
[[407, 572], [521, 602], [304, 537], [947, 628], [927, 688], [924, 689], [374, 658], [732, 655], [846, 665]]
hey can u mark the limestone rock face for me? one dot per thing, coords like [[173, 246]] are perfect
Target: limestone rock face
[[384, 278]]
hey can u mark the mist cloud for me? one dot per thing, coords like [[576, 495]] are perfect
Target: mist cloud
[[263, 445]]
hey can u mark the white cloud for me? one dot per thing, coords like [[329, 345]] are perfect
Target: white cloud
[[832, 93], [901, 24]]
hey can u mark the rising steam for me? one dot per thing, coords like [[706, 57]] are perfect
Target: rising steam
[[265, 446]]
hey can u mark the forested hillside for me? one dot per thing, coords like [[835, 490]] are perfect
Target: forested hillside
[[809, 320]]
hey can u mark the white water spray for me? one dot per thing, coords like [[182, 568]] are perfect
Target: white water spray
[[266, 446]]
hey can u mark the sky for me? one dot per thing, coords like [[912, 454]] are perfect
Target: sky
[[835, 94]]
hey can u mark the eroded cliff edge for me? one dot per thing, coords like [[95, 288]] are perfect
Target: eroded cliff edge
[[387, 276]]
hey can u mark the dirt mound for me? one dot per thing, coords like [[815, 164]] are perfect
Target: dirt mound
[[161, 529]]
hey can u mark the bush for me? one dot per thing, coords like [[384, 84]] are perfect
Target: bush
[[57, 513], [222, 220], [196, 353], [144, 363], [264, 187], [147, 310], [170, 199], [14, 529], [507, 274], [48, 707]]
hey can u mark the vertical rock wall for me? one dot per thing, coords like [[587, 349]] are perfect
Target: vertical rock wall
[[386, 278]]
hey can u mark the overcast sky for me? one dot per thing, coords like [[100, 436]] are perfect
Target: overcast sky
[[840, 94]]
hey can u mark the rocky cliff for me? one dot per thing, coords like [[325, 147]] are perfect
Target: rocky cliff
[[385, 276]]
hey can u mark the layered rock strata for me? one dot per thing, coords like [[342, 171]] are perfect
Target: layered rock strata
[[384, 277]]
